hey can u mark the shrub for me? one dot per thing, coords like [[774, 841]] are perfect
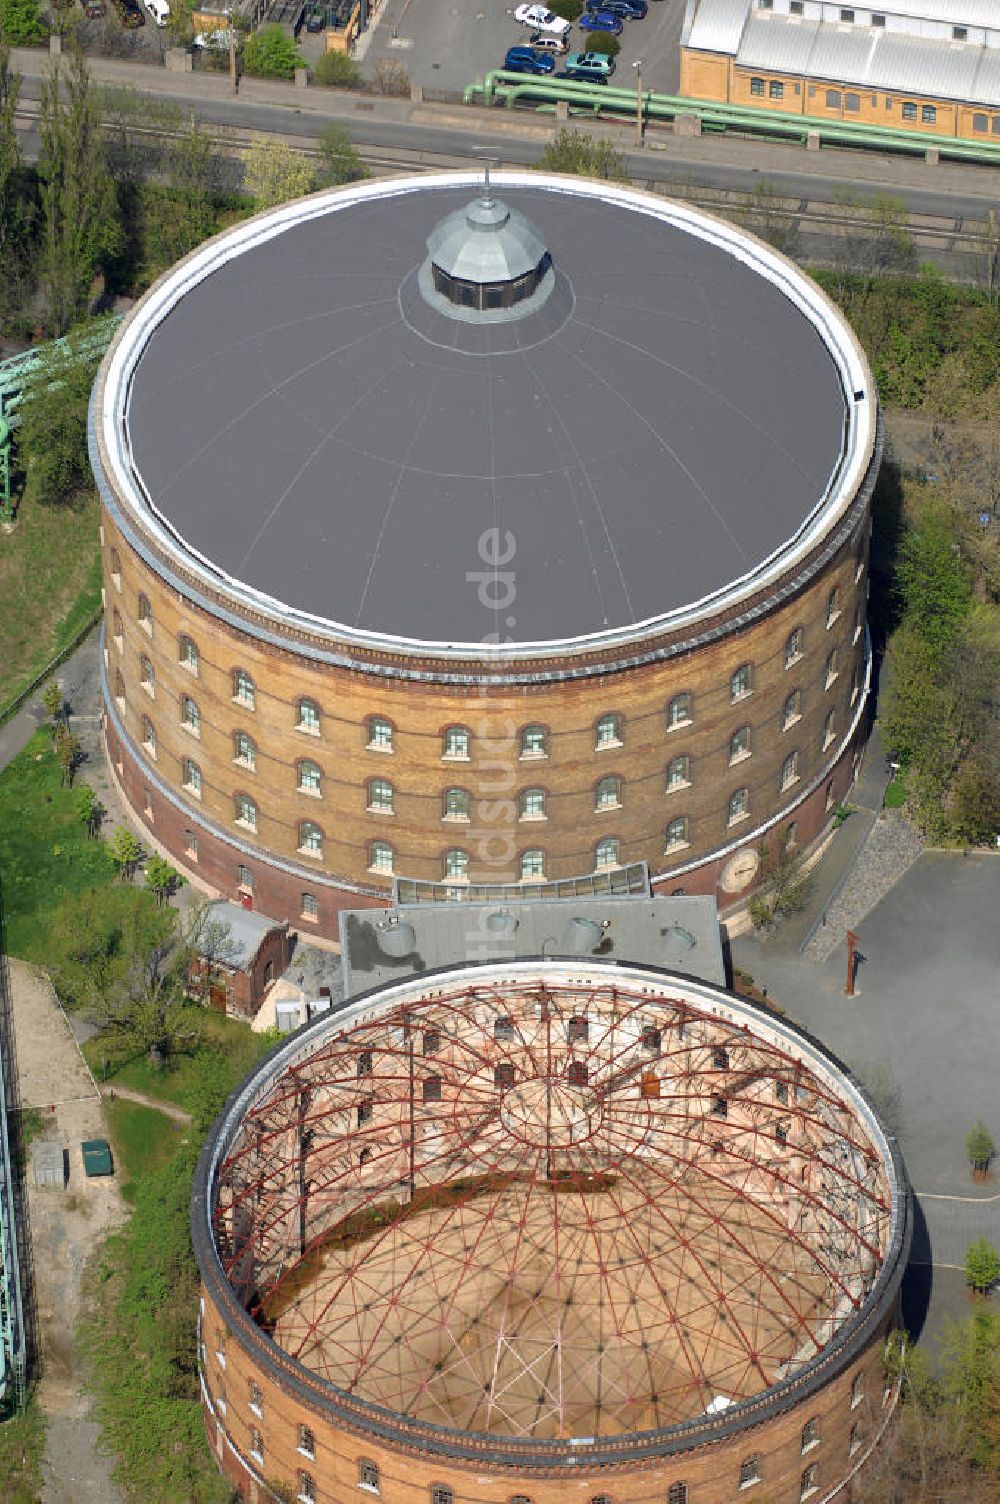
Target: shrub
[[603, 41], [335, 70], [271, 53], [574, 151], [571, 10], [20, 22], [982, 1266], [390, 77], [341, 163], [979, 1146]]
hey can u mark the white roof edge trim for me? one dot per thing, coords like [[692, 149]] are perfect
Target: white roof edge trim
[[120, 363]]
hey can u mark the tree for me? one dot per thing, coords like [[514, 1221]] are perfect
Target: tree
[[208, 940], [52, 434], [765, 212], [273, 173], [21, 24], [162, 879], [341, 162], [605, 42], [90, 809], [14, 211], [979, 1146], [81, 228], [783, 887], [179, 214], [982, 1266], [584, 155], [126, 852], [271, 53], [52, 699], [335, 69], [69, 752], [932, 576]]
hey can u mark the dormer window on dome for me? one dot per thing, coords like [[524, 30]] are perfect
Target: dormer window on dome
[[486, 260]]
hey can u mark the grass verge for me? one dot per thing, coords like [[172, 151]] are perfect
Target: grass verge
[[50, 584], [143, 1140], [22, 1445], [181, 1079], [895, 794]]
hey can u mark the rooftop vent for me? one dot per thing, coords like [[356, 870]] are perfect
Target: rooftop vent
[[486, 262], [396, 938]]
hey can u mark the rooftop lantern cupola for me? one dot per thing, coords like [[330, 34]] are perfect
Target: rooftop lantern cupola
[[486, 262]]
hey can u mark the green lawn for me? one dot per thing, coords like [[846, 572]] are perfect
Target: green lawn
[[22, 1443], [47, 860], [142, 1140], [50, 585], [895, 794], [175, 1081]]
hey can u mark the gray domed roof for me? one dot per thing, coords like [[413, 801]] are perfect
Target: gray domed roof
[[485, 242]]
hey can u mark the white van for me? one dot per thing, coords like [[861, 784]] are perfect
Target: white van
[[159, 10]]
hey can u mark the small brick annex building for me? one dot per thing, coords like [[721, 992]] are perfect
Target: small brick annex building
[[483, 540], [543, 1232]]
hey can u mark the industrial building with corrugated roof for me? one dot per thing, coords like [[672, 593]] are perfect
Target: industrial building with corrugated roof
[[917, 65]]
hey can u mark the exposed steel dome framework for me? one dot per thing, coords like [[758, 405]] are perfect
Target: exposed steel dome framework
[[540, 1210]]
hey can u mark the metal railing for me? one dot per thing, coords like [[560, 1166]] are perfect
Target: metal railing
[[16, 1346]]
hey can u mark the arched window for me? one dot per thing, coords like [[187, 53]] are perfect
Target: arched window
[[307, 1488], [243, 688], [310, 838], [149, 736], [793, 647], [859, 619], [609, 793], [380, 857], [720, 1058], [810, 1434], [677, 1493], [118, 629], [380, 796], [532, 865], [810, 1481], [379, 734], [830, 668], [832, 606], [504, 1030], [431, 1088], [739, 805], [310, 778], [120, 688], [577, 1073], [741, 683], [677, 833], [145, 614], [187, 654], [792, 710], [456, 864], [791, 835], [309, 906], [532, 804], [244, 750], [190, 715], [147, 676], [829, 728], [256, 1446], [456, 805], [750, 1470], [191, 777], [456, 743], [789, 771], [739, 745], [503, 1075], [534, 741], [116, 568], [828, 797], [857, 1390], [678, 773], [519, 1499], [608, 731], [254, 1397], [246, 812], [600, 1499], [307, 1441], [606, 854], [856, 1439], [365, 1062], [679, 711], [441, 1494], [308, 717], [578, 1029], [368, 1475]]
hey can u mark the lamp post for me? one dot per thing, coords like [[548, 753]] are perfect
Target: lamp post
[[637, 65], [233, 79]]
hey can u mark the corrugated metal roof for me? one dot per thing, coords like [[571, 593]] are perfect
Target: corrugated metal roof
[[870, 59], [770, 42], [952, 12], [718, 25], [245, 932]]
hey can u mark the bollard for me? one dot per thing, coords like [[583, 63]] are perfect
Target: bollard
[[302, 78]]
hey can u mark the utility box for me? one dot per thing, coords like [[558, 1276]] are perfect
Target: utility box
[[48, 1161], [96, 1157]]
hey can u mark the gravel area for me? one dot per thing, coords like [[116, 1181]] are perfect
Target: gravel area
[[891, 848]]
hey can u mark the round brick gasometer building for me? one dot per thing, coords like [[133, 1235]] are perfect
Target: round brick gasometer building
[[483, 539], [546, 1231]]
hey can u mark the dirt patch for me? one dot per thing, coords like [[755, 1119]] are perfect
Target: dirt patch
[[67, 1227]]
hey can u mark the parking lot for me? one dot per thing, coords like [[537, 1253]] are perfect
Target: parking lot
[[444, 45]]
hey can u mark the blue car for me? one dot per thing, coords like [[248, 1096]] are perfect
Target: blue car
[[529, 60], [629, 10], [600, 20]]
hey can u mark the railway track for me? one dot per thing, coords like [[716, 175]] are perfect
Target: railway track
[[952, 235]]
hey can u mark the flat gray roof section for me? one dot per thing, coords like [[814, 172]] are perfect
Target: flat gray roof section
[[679, 934], [305, 422]]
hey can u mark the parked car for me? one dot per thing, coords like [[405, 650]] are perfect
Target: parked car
[[542, 19], [159, 10], [589, 67], [94, 10], [130, 14], [629, 10], [529, 60], [544, 43], [315, 21], [601, 20]]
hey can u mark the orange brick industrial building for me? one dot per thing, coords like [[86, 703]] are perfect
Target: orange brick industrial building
[[519, 541], [548, 1232]]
